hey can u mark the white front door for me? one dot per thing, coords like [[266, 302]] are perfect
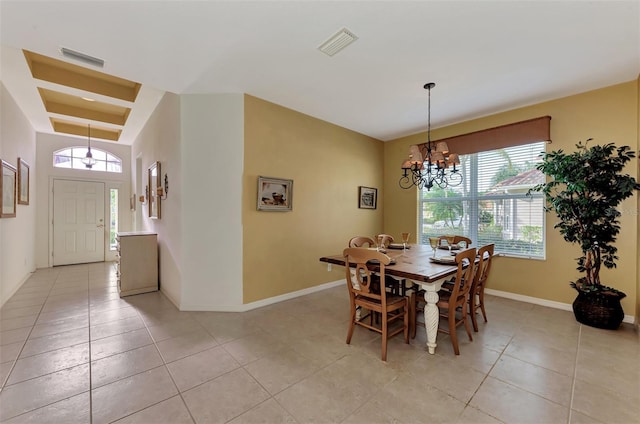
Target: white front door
[[78, 222]]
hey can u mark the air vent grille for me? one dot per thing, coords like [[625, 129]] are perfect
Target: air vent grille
[[337, 42], [72, 54]]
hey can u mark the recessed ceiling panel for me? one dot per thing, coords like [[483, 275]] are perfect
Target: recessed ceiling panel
[[75, 128], [66, 104], [64, 73]]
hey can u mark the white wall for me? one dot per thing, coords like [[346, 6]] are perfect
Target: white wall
[[46, 145], [17, 235], [159, 141], [212, 164]]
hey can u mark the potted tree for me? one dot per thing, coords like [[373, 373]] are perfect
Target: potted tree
[[585, 188]]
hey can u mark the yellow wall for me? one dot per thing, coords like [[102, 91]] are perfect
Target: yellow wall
[[638, 215], [327, 163], [606, 115]]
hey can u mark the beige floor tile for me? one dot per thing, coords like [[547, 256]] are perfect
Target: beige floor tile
[[119, 343], [102, 317], [472, 354], [14, 336], [170, 411], [224, 398], [167, 330], [59, 326], [113, 328], [185, 345], [5, 368], [199, 368], [63, 313], [412, 400], [604, 405], [55, 341], [32, 394], [336, 391], [10, 352], [451, 375], [580, 418], [48, 362], [253, 347], [280, 369], [472, 415], [621, 374], [229, 326], [116, 367], [68, 411], [559, 360], [14, 304], [513, 405], [19, 312], [268, 412], [549, 384], [115, 400]]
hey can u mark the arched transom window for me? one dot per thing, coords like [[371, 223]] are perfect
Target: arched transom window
[[72, 158]]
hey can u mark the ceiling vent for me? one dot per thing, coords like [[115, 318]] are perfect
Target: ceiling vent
[[337, 42], [72, 54]]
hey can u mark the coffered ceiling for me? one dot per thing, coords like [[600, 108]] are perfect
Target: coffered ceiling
[[484, 56]]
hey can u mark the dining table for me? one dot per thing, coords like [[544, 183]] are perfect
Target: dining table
[[415, 263]]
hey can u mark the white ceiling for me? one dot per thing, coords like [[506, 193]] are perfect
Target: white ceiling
[[484, 56]]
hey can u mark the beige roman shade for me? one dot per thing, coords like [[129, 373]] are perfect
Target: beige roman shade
[[517, 133]]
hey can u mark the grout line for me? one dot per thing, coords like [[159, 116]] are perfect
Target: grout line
[[575, 372]]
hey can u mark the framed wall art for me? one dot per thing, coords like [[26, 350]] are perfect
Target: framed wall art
[[7, 190], [275, 194], [154, 197], [367, 197], [23, 182]]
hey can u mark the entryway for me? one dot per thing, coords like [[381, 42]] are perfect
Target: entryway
[[78, 222]]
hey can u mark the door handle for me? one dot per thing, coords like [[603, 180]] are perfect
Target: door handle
[[100, 226]]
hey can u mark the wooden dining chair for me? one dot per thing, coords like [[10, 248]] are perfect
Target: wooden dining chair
[[450, 301], [362, 241], [476, 293], [387, 239], [460, 241], [392, 308]]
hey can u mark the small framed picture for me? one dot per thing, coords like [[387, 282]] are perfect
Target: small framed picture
[[367, 197], [7, 190], [23, 182], [275, 194]]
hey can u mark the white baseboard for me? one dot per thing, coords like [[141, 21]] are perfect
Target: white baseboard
[[17, 287], [264, 302], [543, 302]]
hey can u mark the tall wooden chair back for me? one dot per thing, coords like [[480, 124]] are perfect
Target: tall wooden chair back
[[362, 241], [387, 239], [362, 293], [476, 294], [458, 297], [460, 241]]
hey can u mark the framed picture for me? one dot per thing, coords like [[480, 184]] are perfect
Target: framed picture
[[275, 194], [367, 197], [7, 190], [154, 198], [23, 182]]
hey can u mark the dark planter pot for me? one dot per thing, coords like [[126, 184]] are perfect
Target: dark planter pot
[[599, 309]]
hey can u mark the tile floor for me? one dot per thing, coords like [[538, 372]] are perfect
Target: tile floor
[[72, 351]]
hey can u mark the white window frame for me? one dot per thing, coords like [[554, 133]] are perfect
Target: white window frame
[[76, 153], [471, 210]]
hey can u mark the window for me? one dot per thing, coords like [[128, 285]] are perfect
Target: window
[[72, 158], [491, 205], [113, 218]]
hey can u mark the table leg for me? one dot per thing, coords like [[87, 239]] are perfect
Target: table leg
[[431, 315]]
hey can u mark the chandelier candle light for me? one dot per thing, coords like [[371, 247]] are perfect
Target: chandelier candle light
[[88, 160], [428, 165]]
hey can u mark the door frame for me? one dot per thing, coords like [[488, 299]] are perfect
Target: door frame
[[109, 255]]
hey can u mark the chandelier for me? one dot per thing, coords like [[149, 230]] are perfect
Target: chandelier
[[428, 165], [88, 160]]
